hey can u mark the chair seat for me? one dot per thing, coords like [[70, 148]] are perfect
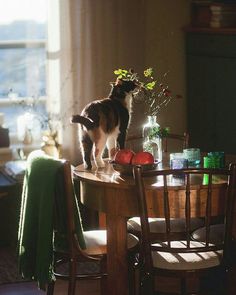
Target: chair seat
[[96, 242], [185, 261], [158, 225], [217, 232]]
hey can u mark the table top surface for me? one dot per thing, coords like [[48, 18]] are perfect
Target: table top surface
[[110, 177]]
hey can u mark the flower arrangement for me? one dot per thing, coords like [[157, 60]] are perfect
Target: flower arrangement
[[153, 93]]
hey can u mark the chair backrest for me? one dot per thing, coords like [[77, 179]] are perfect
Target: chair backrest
[[73, 221], [183, 141], [135, 142], [70, 205], [182, 193]]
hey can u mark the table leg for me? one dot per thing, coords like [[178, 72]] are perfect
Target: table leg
[[117, 264], [102, 220]]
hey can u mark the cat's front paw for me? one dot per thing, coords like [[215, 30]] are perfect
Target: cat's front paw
[[87, 166], [100, 163]]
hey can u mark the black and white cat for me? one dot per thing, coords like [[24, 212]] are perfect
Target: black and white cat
[[103, 123]]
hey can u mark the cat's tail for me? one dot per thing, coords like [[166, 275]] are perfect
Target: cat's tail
[[88, 123]]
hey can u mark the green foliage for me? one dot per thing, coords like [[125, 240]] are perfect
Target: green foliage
[[147, 81], [149, 85], [148, 72], [159, 132], [122, 74]]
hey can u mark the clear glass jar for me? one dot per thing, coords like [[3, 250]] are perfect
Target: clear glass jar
[[152, 144], [193, 155]]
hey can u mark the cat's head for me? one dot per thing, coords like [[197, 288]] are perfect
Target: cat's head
[[121, 88]]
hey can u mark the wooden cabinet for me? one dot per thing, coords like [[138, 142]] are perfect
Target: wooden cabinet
[[211, 89]]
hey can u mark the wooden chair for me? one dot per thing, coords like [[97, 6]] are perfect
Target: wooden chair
[[135, 140], [95, 242], [183, 139], [71, 245], [186, 258], [157, 225], [95, 250]]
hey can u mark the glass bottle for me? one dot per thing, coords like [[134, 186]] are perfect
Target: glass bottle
[[28, 138], [152, 144]]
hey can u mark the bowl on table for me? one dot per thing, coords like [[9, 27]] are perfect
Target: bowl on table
[[127, 169]]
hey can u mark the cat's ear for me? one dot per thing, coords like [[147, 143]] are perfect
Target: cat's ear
[[119, 81]]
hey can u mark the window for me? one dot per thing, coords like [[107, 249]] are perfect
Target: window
[[23, 35]]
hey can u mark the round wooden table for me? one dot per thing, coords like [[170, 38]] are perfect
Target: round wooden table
[[105, 190]]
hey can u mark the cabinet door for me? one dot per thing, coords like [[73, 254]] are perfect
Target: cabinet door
[[225, 80], [212, 102]]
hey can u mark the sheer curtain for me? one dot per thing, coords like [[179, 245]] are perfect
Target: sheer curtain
[[88, 40]]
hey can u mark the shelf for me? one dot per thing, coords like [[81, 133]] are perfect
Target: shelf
[[223, 31]]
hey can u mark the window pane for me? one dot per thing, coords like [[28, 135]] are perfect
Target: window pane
[[23, 72], [22, 60], [22, 30], [12, 10]]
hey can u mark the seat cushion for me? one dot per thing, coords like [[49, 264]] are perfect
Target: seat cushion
[[158, 225], [185, 261], [217, 232], [96, 241]]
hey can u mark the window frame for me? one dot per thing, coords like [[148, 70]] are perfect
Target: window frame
[[7, 102]]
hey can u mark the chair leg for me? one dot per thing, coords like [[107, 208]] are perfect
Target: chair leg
[[185, 290], [103, 281], [147, 284], [103, 285], [225, 283], [50, 288], [183, 286], [72, 277], [132, 277]]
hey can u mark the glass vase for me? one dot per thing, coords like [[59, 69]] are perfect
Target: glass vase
[[152, 144]]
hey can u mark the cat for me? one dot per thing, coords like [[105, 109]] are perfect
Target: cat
[[104, 123]]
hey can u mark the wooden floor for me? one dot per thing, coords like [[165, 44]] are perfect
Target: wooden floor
[[9, 273], [93, 288], [88, 288], [83, 288]]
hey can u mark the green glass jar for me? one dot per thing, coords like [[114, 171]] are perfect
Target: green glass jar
[[219, 159], [212, 161]]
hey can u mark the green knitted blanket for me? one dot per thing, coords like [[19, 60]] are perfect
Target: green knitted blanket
[[39, 209]]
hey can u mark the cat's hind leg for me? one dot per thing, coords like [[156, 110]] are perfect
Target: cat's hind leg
[[121, 139], [86, 149], [112, 144], [99, 146]]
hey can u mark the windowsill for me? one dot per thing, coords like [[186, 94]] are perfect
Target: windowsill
[[10, 153], [20, 100]]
